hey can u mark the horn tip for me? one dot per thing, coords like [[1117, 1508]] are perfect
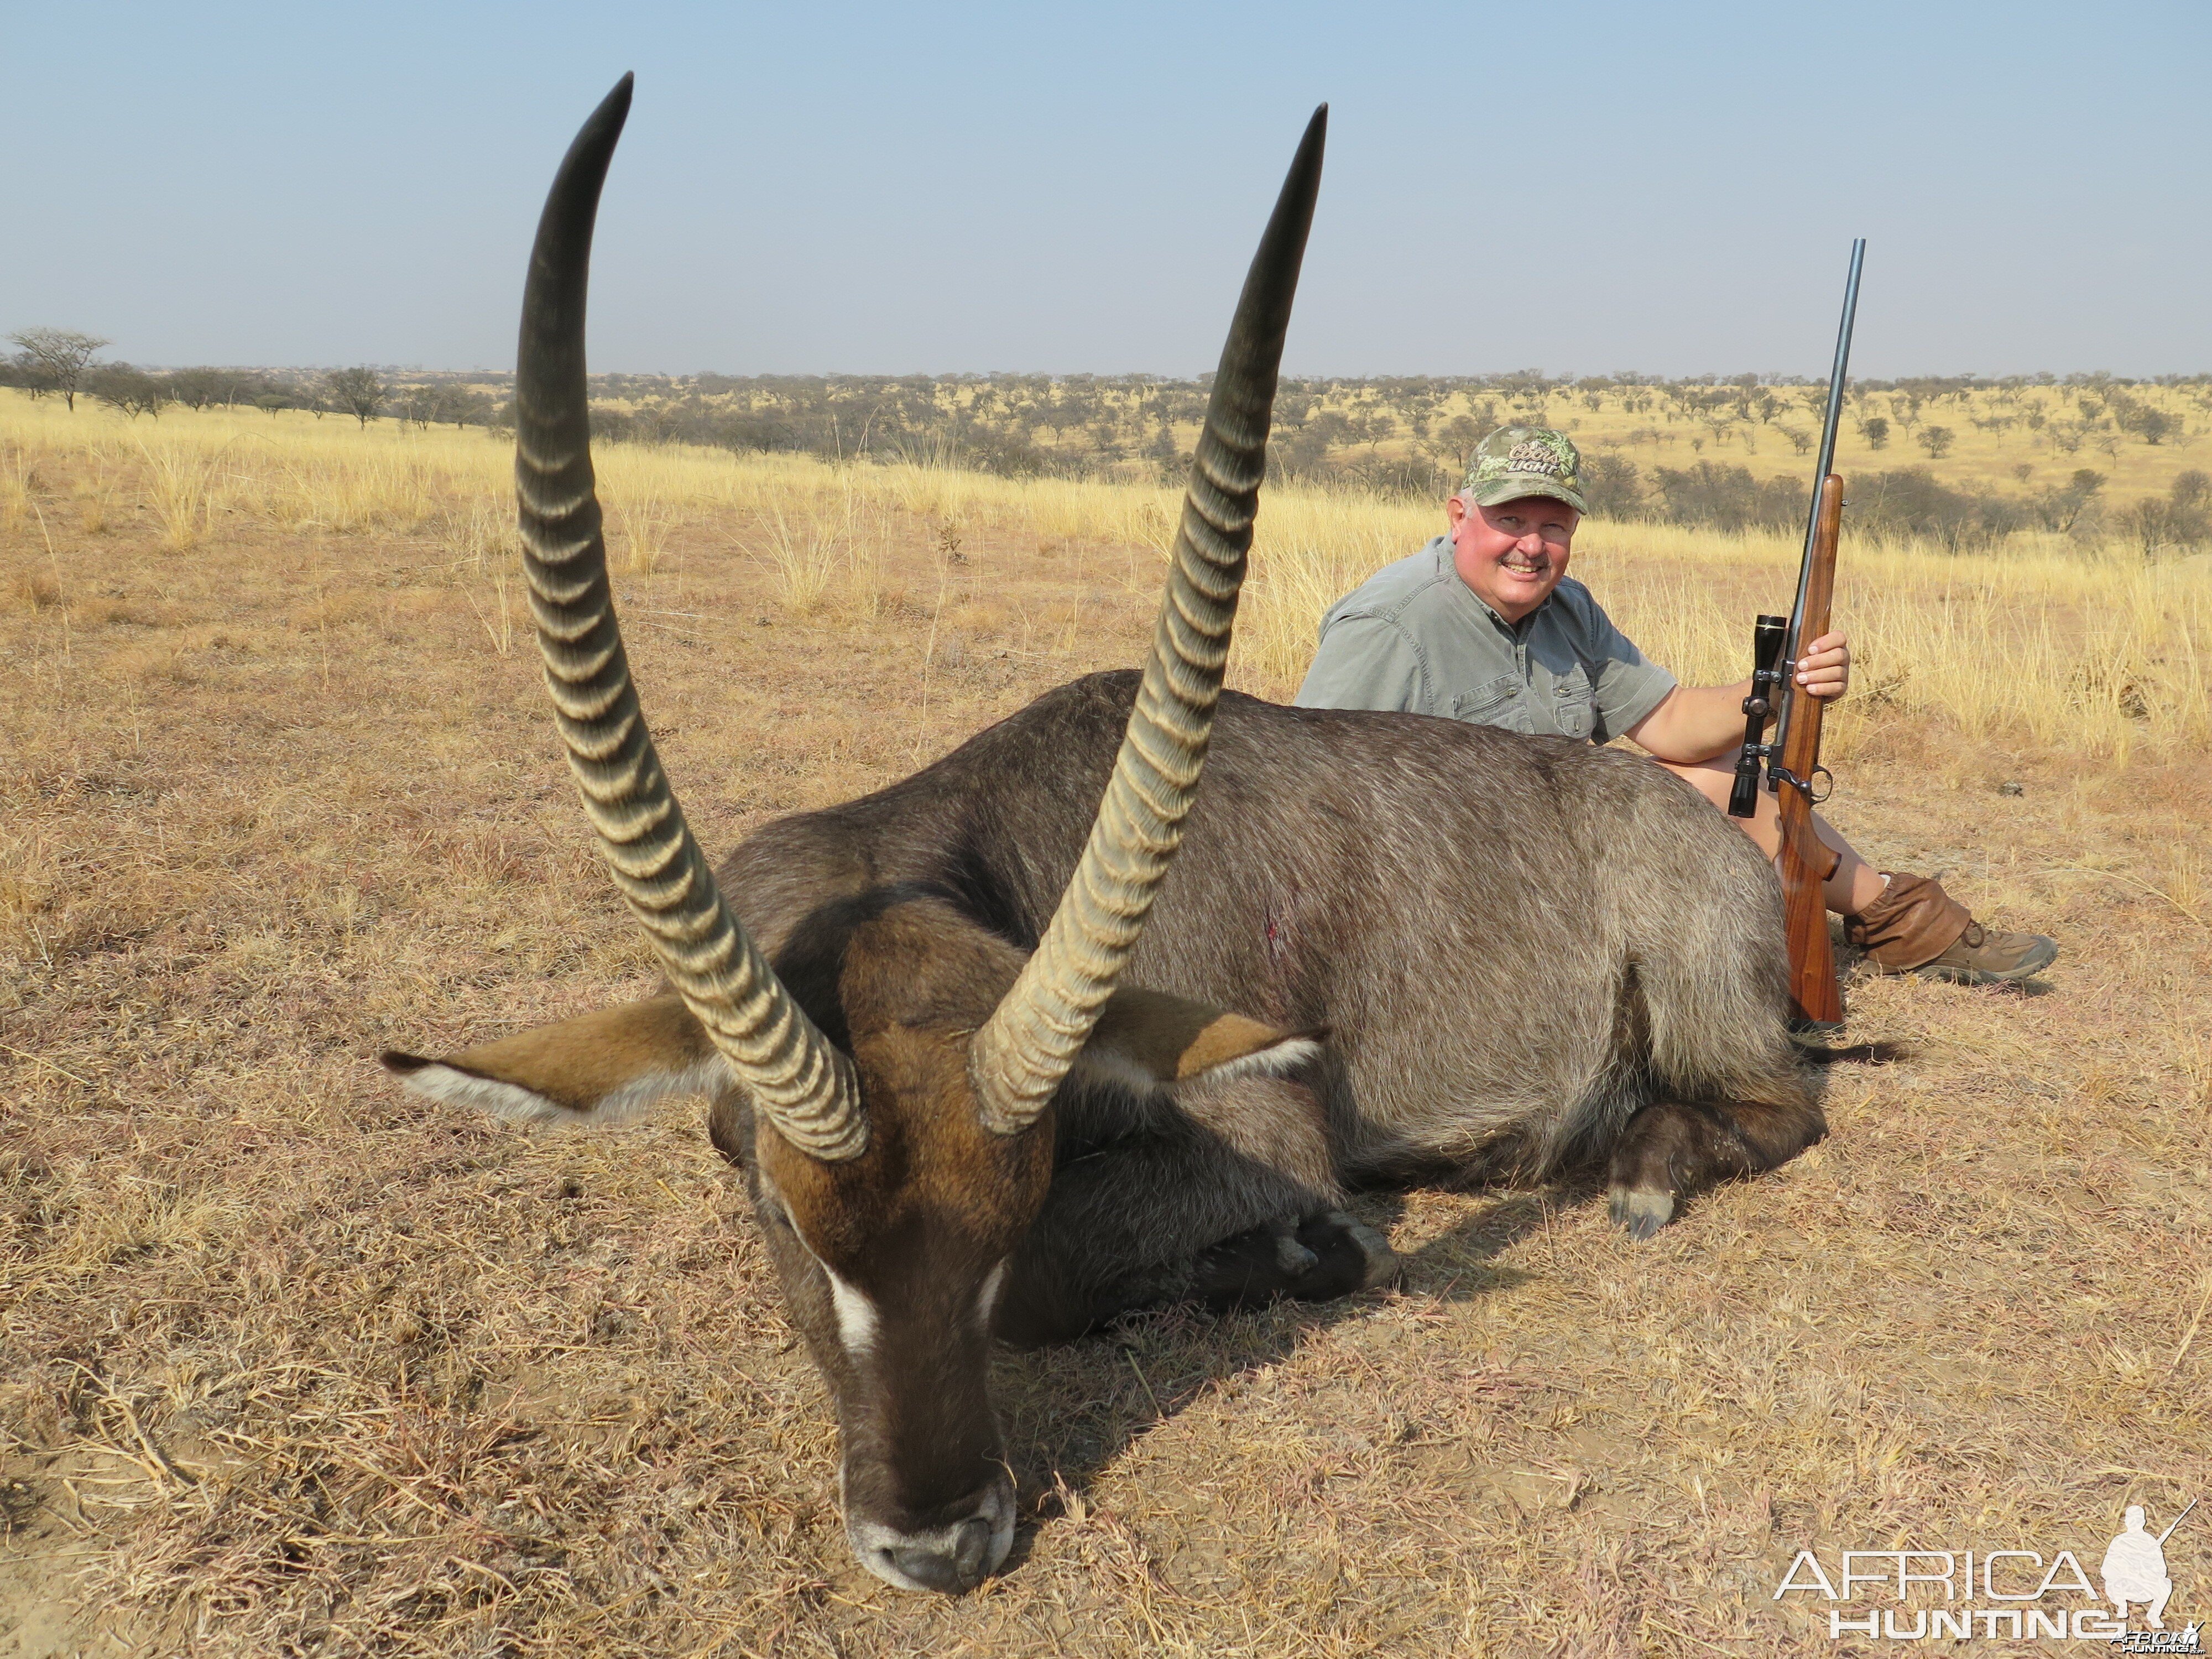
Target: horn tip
[[1316, 139], [607, 119]]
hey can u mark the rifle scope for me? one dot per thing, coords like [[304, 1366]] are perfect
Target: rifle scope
[[1766, 638]]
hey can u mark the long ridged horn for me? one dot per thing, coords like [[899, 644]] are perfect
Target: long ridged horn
[[807, 1089], [1021, 1053]]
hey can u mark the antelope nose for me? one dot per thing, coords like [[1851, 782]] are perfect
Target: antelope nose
[[951, 1565]]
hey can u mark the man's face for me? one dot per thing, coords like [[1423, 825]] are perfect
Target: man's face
[[1514, 554]]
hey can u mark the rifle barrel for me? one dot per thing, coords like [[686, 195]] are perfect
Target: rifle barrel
[[1834, 417], [1829, 425]]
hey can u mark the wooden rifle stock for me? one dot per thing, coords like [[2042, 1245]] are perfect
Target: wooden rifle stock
[[1806, 861], [1792, 760]]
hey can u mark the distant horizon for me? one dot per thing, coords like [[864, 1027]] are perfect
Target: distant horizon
[[107, 358]]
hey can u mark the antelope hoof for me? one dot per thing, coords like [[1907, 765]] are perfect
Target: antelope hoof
[[1318, 1259], [1641, 1211], [1292, 1259], [1382, 1265]]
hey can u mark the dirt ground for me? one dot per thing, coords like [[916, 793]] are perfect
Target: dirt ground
[[292, 1363]]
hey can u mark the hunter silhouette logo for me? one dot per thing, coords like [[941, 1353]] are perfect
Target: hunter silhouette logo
[[2009, 1595], [2135, 1567]]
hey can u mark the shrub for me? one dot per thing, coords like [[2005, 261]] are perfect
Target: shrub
[[1911, 503], [132, 390], [1726, 497]]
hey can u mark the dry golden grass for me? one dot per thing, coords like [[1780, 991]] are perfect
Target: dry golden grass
[[290, 1363]]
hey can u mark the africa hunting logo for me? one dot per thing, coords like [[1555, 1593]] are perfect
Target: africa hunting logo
[[2011, 1595]]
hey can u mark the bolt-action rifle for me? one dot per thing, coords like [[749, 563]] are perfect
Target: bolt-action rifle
[[1792, 759]]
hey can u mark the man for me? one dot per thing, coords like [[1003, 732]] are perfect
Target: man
[[1481, 624]]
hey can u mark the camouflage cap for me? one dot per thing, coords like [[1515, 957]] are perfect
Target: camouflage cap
[[1515, 461]]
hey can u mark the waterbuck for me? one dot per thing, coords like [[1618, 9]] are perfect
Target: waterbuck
[[977, 1092]]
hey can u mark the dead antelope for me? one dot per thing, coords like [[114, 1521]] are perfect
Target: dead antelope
[[977, 1092]]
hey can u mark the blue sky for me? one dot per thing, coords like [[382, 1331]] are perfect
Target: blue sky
[[1666, 187]]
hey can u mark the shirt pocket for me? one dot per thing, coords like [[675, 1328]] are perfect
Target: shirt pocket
[[1574, 705], [1494, 702]]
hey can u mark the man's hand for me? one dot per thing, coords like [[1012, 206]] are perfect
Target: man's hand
[[1702, 723], [1825, 670]]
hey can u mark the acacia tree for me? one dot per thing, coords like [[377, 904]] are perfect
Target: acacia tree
[[359, 392], [417, 403], [131, 391], [58, 357], [203, 387]]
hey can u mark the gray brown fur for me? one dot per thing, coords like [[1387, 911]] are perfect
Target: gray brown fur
[[1519, 946], [1523, 952], [1526, 953]]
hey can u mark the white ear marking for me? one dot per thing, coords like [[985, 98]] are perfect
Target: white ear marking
[[1110, 1065], [641, 1094], [519, 1105], [1277, 1059], [443, 1083]]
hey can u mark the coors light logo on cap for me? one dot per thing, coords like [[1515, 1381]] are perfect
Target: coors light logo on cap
[[1515, 461]]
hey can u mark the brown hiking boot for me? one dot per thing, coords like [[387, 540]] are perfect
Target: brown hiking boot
[[1981, 957], [1916, 928]]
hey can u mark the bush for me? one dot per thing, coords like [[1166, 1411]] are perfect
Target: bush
[[132, 390], [1613, 485], [203, 388], [1885, 506], [2182, 520], [1416, 478], [1911, 503], [1727, 498]]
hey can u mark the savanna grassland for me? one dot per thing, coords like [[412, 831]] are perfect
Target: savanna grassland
[[292, 1363], [1957, 461], [2019, 438]]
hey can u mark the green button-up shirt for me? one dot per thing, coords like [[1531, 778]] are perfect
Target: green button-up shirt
[[1415, 638]]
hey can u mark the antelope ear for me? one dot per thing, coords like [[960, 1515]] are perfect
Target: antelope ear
[[1171, 1039], [599, 1068]]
